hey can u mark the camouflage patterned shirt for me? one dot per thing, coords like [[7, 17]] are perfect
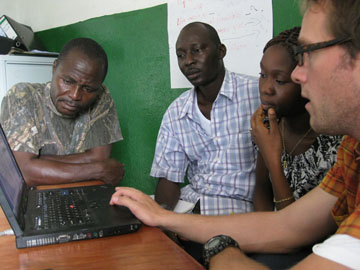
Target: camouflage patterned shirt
[[32, 123]]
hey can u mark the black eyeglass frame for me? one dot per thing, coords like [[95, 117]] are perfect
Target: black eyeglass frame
[[301, 49]]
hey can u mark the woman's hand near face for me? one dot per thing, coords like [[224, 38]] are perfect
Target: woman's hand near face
[[267, 139]]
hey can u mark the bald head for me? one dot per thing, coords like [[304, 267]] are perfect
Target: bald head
[[204, 28]]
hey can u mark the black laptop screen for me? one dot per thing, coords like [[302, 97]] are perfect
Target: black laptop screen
[[10, 177]]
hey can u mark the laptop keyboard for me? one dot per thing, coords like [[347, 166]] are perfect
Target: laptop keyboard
[[62, 208]]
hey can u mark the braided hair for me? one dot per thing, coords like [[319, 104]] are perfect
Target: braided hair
[[288, 39]]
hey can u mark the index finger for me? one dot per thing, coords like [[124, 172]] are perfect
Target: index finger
[[255, 116], [272, 118]]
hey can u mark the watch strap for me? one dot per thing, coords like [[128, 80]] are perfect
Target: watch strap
[[222, 242]]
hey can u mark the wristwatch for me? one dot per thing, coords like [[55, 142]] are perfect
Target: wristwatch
[[215, 245]]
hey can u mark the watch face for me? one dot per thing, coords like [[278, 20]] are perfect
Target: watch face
[[213, 242], [216, 245]]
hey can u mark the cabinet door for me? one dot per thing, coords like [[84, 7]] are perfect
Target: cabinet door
[[15, 69], [34, 73]]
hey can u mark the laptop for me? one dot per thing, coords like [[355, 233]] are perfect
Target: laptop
[[44, 217]]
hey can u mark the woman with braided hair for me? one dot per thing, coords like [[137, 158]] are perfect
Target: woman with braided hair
[[292, 158]]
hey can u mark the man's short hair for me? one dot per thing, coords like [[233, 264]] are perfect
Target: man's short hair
[[211, 30], [89, 47], [344, 20]]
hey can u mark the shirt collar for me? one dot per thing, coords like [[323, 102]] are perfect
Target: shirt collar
[[227, 87], [226, 90]]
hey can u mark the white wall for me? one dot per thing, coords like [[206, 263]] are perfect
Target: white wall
[[46, 14]]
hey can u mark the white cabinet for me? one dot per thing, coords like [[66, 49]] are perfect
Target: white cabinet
[[15, 68]]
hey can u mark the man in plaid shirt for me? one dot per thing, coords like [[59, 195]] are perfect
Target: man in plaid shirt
[[204, 134]]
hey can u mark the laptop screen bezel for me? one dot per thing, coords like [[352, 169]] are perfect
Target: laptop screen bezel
[[16, 219]]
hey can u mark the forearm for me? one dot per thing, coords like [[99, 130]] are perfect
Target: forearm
[[262, 202], [263, 195], [167, 193], [74, 158], [271, 185], [44, 172], [300, 224], [92, 155], [283, 195], [270, 161], [252, 235]]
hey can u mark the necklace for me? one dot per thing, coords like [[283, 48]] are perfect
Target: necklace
[[296, 145]]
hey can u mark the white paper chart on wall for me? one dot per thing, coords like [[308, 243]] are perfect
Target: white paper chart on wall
[[244, 26]]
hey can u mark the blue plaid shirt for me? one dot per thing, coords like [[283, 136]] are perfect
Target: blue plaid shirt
[[221, 167]]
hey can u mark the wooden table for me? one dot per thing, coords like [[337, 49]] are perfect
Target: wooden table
[[149, 248]]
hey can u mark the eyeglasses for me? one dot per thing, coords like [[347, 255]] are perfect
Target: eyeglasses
[[301, 49]]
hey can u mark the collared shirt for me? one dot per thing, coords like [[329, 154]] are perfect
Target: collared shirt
[[32, 123], [343, 181], [220, 167]]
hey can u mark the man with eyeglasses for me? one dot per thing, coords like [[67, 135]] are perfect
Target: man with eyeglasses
[[328, 217]]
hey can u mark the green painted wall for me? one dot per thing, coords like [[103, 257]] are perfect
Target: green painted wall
[[139, 77], [286, 14]]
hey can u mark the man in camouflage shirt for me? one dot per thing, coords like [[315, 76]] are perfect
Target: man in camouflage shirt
[[62, 131]]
